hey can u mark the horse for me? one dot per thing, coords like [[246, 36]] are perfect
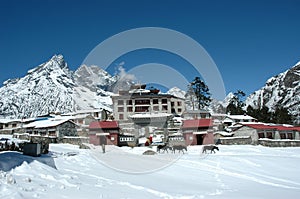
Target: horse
[[210, 147], [164, 147], [179, 148]]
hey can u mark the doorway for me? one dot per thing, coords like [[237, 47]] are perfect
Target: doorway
[[102, 140], [199, 139]]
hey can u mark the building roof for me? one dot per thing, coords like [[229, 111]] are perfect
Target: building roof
[[241, 117], [6, 121], [263, 126], [51, 122], [104, 125], [204, 122], [150, 115]]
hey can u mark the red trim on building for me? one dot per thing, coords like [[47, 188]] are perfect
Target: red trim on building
[[104, 125], [273, 127], [197, 123]]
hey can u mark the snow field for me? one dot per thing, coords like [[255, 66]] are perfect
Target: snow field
[[123, 172]]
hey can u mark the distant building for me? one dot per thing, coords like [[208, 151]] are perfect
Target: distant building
[[140, 100], [196, 114], [83, 118], [198, 131], [9, 126], [257, 131], [233, 119], [230, 121], [104, 132], [51, 127]]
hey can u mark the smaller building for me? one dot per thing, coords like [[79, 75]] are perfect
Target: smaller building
[[104, 132], [233, 119], [51, 127], [258, 131], [198, 131], [196, 114], [9, 126]]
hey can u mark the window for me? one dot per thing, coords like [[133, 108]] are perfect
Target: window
[[129, 102], [120, 109], [164, 108], [290, 136], [282, 136], [172, 103], [178, 103], [129, 109], [202, 115], [120, 102], [155, 108], [261, 135], [126, 139], [270, 135], [179, 110], [164, 101], [52, 133], [142, 102], [14, 125], [155, 101], [121, 116], [141, 108]]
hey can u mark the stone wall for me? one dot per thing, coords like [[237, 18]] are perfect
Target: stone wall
[[74, 140], [279, 143], [236, 140]]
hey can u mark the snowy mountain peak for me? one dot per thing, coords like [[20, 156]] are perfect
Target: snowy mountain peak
[[280, 90], [57, 62], [52, 87], [177, 92], [93, 77]]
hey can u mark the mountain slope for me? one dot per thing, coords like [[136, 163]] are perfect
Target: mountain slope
[[46, 88], [52, 87], [281, 90]]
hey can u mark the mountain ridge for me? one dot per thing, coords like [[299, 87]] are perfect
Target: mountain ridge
[[53, 87]]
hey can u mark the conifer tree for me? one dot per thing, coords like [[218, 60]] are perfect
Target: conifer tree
[[201, 92], [236, 105]]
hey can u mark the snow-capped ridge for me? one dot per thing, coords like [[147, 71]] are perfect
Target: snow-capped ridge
[[53, 87], [177, 92], [281, 90]]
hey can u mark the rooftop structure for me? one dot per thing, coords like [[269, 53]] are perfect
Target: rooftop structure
[[140, 100]]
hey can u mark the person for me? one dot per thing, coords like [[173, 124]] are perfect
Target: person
[[147, 143], [6, 147], [150, 140], [103, 148], [12, 146]]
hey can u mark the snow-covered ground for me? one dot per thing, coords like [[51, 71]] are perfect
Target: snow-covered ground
[[70, 172]]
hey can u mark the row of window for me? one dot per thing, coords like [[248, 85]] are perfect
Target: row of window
[[7, 125], [126, 139], [145, 109], [271, 135], [147, 101]]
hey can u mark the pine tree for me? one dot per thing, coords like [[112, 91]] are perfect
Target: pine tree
[[201, 92], [236, 105], [282, 116]]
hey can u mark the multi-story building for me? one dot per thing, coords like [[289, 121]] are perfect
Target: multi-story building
[[140, 100]]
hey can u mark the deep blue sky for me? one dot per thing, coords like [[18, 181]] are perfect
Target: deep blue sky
[[249, 41]]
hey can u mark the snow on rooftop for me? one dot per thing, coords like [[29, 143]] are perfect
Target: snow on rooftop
[[150, 115], [240, 117], [45, 123]]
